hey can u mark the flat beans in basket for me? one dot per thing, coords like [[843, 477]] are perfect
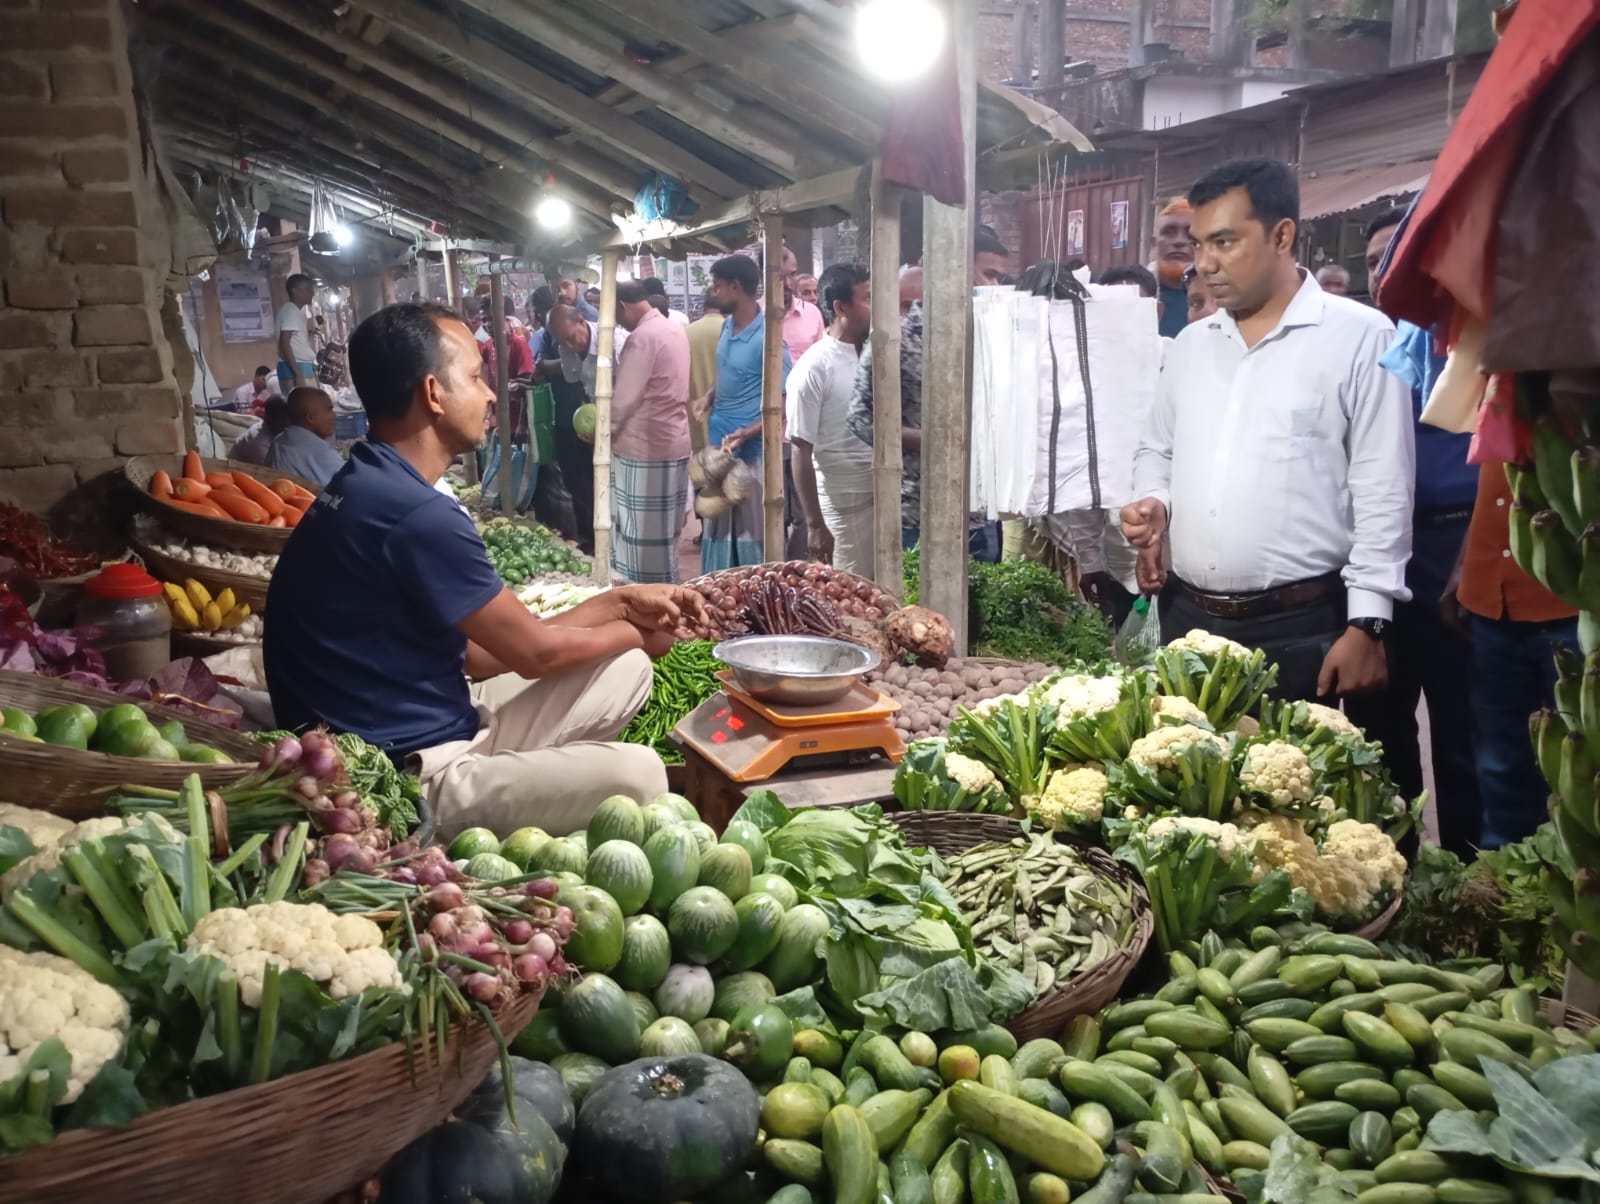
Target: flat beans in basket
[[1036, 905]]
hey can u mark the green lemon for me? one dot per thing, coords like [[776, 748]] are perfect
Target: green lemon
[[83, 714], [128, 739], [121, 713], [17, 723], [172, 732], [62, 727], [200, 754], [159, 750]]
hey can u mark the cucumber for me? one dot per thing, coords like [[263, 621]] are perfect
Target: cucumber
[[1408, 1141], [1430, 1100], [1409, 1023], [1165, 1156], [950, 1174], [989, 1175], [1379, 1040], [1042, 1093], [1404, 1121], [1413, 1166], [1137, 1011], [1095, 1120], [1271, 1082], [1251, 1155], [1309, 1051], [1179, 990], [990, 1039], [1166, 1108], [1371, 1138], [885, 1186], [1114, 1184], [797, 1161], [1473, 1191], [1467, 1085], [1340, 1159], [995, 1073], [850, 1155], [1206, 1144], [798, 1070], [1412, 992], [1034, 1060], [1144, 1084], [1360, 971], [1159, 1048], [1226, 962], [919, 1050], [1186, 1081], [910, 1180], [1406, 1078], [933, 1131], [1188, 1031], [1133, 1058], [832, 1086], [1263, 990], [1277, 1034], [1216, 986], [823, 1049], [1520, 1004], [1180, 964], [1436, 1005], [1330, 1016], [1278, 1009], [1520, 1037], [1123, 1038], [1219, 1069], [794, 1111], [1207, 1010], [1250, 1119], [1370, 1095], [1210, 948], [859, 1087], [794, 1193], [1399, 1193], [1342, 944], [1324, 1122], [891, 1068], [1044, 1188], [1308, 973], [1047, 1141], [1259, 965], [1081, 1038], [890, 1115]]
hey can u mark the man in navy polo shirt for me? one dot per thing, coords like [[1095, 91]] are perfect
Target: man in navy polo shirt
[[385, 605]]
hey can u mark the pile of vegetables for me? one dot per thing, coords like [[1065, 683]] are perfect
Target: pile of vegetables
[[124, 729], [247, 564], [552, 593], [680, 681], [929, 698], [231, 496], [25, 647], [521, 550], [730, 593], [25, 539]]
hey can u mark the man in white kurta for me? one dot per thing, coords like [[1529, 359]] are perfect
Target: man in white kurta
[[832, 467]]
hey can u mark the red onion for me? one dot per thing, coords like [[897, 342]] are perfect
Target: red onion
[[558, 965], [498, 958], [446, 896], [320, 804], [286, 751], [316, 872], [280, 842], [562, 922], [476, 932], [519, 932], [426, 944], [364, 861], [322, 764], [443, 926], [544, 945], [484, 988], [404, 876], [338, 820], [308, 787], [339, 850], [347, 798], [409, 848], [542, 888], [431, 873], [530, 967]]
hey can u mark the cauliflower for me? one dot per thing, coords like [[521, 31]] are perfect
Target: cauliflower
[[1172, 708], [1279, 770], [1207, 644], [1248, 727], [1227, 837], [986, 706], [1331, 718], [49, 856], [44, 996], [1159, 750], [1348, 878], [970, 774], [343, 954], [40, 827], [1074, 797], [1079, 694]]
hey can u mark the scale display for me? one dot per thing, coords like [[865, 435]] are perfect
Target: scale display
[[748, 747]]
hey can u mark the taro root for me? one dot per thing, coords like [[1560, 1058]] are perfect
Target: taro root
[[868, 635], [922, 634]]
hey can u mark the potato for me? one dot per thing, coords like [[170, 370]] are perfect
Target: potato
[[921, 689], [999, 673], [943, 690], [1013, 685]]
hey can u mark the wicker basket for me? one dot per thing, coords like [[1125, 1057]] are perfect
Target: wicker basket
[[1562, 1015], [723, 577], [198, 643], [247, 589], [73, 784], [1379, 924], [304, 1137], [951, 832], [223, 532]]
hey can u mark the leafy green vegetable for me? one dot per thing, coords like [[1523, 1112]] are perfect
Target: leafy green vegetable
[[14, 846], [1010, 739], [1298, 1175], [394, 796], [1536, 1127], [922, 782]]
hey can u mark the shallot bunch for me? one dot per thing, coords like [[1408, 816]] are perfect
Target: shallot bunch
[[491, 955]]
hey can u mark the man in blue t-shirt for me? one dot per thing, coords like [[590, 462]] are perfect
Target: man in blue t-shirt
[[385, 604]]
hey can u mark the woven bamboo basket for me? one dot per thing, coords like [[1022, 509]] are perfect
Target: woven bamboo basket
[[951, 832], [247, 589], [1379, 924], [303, 1137], [73, 784], [198, 643], [722, 578], [223, 532]]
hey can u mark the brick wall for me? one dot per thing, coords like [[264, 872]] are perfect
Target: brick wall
[[85, 371]]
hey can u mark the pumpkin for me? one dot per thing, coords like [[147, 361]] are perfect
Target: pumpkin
[[536, 1088], [667, 1128]]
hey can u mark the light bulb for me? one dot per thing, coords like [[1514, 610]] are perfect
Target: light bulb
[[553, 213], [898, 40], [342, 235]]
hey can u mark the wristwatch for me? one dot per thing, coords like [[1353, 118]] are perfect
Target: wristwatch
[[1376, 628]]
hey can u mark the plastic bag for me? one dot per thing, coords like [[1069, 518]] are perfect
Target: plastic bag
[[1139, 637]]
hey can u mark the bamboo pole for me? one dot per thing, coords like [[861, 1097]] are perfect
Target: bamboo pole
[[603, 377], [452, 301], [502, 392], [947, 232], [772, 391], [886, 451]]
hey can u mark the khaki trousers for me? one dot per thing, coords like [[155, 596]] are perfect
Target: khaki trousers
[[545, 754]]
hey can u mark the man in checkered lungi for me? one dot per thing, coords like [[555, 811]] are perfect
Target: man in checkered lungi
[[649, 441]]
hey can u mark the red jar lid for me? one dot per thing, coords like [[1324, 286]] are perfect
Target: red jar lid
[[122, 581]]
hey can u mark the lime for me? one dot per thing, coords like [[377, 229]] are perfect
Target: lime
[[83, 714], [159, 750], [172, 732], [121, 713], [522, 845], [64, 727], [472, 842], [128, 739], [490, 867], [17, 723], [200, 754]]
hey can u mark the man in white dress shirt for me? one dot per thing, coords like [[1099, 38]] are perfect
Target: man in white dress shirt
[[1282, 451]]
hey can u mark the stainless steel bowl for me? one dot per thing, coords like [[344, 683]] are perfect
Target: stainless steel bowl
[[795, 670]]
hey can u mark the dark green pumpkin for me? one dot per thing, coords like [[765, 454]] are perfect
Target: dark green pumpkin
[[537, 1088], [662, 1129], [461, 1162], [541, 1040]]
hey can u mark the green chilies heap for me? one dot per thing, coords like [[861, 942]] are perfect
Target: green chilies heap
[[683, 679]]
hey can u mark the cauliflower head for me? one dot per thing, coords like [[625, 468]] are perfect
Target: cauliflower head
[[1080, 694], [41, 827], [44, 996], [1247, 726], [1159, 750], [985, 706], [1228, 838], [1363, 866], [343, 954], [970, 774], [1074, 797], [1279, 770], [1331, 718], [49, 856], [1207, 644], [1173, 708]]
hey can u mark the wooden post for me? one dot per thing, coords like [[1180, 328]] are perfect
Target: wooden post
[[452, 301], [502, 391], [772, 392], [422, 278], [947, 232], [603, 376], [887, 558]]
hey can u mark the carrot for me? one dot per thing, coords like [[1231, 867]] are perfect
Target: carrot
[[220, 480], [207, 508], [276, 521], [238, 506], [290, 516], [301, 504], [289, 492], [258, 493], [190, 491], [193, 468], [161, 484]]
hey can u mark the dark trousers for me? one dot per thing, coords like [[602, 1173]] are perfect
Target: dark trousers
[[1513, 675], [983, 543], [576, 461], [1297, 639], [794, 514], [1427, 660]]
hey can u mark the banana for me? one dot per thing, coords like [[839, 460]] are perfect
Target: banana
[[1586, 894], [211, 617], [1521, 536], [1547, 730], [1589, 709], [1559, 891], [1578, 839], [1586, 482], [183, 612], [1552, 464], [1575, 781], [1525, 487], [175, 591], [225, 601], [1555, 557], [1589, 566], [1570, 667], [198, 594], [1589, 630], [236, 616], [1582, 947]]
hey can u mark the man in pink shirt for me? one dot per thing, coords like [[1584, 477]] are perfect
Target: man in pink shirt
[[649, 441]]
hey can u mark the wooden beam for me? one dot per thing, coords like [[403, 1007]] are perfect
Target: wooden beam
[[604, 378], [947, 232], [836, 189], [502, 392], [750, 35], [545, 25], [887, 557], [546, 94], [772, 449]]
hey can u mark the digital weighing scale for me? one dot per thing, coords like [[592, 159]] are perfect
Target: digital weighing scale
[[830, 753]]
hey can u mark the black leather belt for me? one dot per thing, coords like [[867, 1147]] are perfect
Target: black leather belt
[[1262, 602]]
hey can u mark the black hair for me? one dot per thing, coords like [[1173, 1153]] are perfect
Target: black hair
[[1131, 273], [263, 370], [658, 302], [541, 301], [655, 286], [987, 242], [740, 270], [837, 285], [1389, 217], [631, 292], [296, 281], [1270, 184], [276, 413], [393, 352]]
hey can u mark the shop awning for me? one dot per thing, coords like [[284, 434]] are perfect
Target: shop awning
[[1340, 191]]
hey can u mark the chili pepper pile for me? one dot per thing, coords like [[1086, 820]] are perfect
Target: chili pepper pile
[[683, 679], [25, 538]]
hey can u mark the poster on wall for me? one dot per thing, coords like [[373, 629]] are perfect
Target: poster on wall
[[1119, 225], [1075, 232], [246, 302]]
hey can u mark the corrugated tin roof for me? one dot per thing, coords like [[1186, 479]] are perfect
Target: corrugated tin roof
[[1338, 192]]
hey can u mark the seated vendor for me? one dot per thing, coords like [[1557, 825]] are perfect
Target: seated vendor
[[303, 446], [384, 604]]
